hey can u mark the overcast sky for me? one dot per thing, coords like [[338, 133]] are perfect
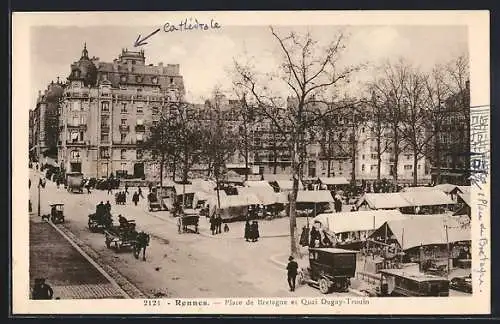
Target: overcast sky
[[205, 57]]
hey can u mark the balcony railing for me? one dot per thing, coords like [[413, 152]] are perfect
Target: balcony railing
[[82, 127], [140, 128], [124, 128], [105, 127], [76, 142]]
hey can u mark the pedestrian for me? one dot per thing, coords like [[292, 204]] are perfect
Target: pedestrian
[[126, 188], [108, 207], [110, 187], [247, 231], [212, 224], [135, 198], [304, 236], [29, 183], [140, 192], [315, 237], [255, 231], [88, 187], [219, 224], [150, 186], [41, 290], [291, 268]]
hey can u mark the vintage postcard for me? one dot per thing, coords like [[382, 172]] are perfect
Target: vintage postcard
[[313, 162]]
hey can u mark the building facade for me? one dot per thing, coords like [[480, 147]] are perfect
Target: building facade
[[43, 123], [107, 110]]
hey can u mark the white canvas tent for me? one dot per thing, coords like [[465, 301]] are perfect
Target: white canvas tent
[[334, 181], [427, 198], [383, 201], [314, 196], [357, 221]]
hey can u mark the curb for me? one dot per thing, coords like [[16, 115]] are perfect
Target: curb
[[274, 260], [91, 261]]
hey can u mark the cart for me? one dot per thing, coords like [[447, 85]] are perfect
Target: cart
[[188, 218], [329, 269], [99, 222], [154, 202], [57, 213], [120, 237], [74, 182]]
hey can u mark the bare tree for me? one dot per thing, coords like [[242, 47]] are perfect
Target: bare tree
[[220, 142], [437, 93], [379, 129], [390, 89], [416, 114], [309, 72]]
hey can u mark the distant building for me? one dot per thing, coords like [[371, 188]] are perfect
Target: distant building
[[451, 160], [43, 123]]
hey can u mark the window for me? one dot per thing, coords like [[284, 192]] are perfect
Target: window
[[123, 166], [362, 157], [139, 154], [374, 156], [76, 106], [123, 137], [408, 156], [362, 167], [104, 152], [140, 121], [74, 136], [419, 166], [83, 120], [408, 167], [124, 121], [139, 110], [81, 136], [76, 120], [171, 80], [140, 137], [124, 108], [155, 123], [123, 154], [155, 110], [105, 106], [373, 167], [75, 155], [138, 79], [104, 137]]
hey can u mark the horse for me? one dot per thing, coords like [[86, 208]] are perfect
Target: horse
[[141, 242]]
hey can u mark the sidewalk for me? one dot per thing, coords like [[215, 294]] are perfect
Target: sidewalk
[[74, 277]]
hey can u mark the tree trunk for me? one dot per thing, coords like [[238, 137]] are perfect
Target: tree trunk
[[415, 168], [174, 167], [437, 155], [162, 161], [292, 199], [329, 167], [379, 155], [396, 156], [353, 158]]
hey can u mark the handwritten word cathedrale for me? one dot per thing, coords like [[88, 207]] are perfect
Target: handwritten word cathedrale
[[190, 24]]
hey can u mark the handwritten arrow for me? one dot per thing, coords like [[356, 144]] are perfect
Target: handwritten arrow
[[140, 42]]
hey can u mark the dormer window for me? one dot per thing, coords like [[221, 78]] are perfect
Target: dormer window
[[123, 78], [155, 80], [138, 78]]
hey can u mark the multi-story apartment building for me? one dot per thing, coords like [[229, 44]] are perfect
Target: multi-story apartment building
[[43, 128], [450, 148], [107, 110]]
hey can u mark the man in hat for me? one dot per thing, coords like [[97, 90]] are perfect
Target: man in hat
[[41, 290], [292, 272]]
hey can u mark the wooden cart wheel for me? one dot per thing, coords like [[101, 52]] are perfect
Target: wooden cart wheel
[[324, 286]]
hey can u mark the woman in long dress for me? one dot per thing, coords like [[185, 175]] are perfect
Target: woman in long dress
[[247, 231]]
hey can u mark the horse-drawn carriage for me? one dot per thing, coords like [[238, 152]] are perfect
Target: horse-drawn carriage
[[187, 218], [153, 202], [125, 235], [121, 236], [100, 221], [75, 182]]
